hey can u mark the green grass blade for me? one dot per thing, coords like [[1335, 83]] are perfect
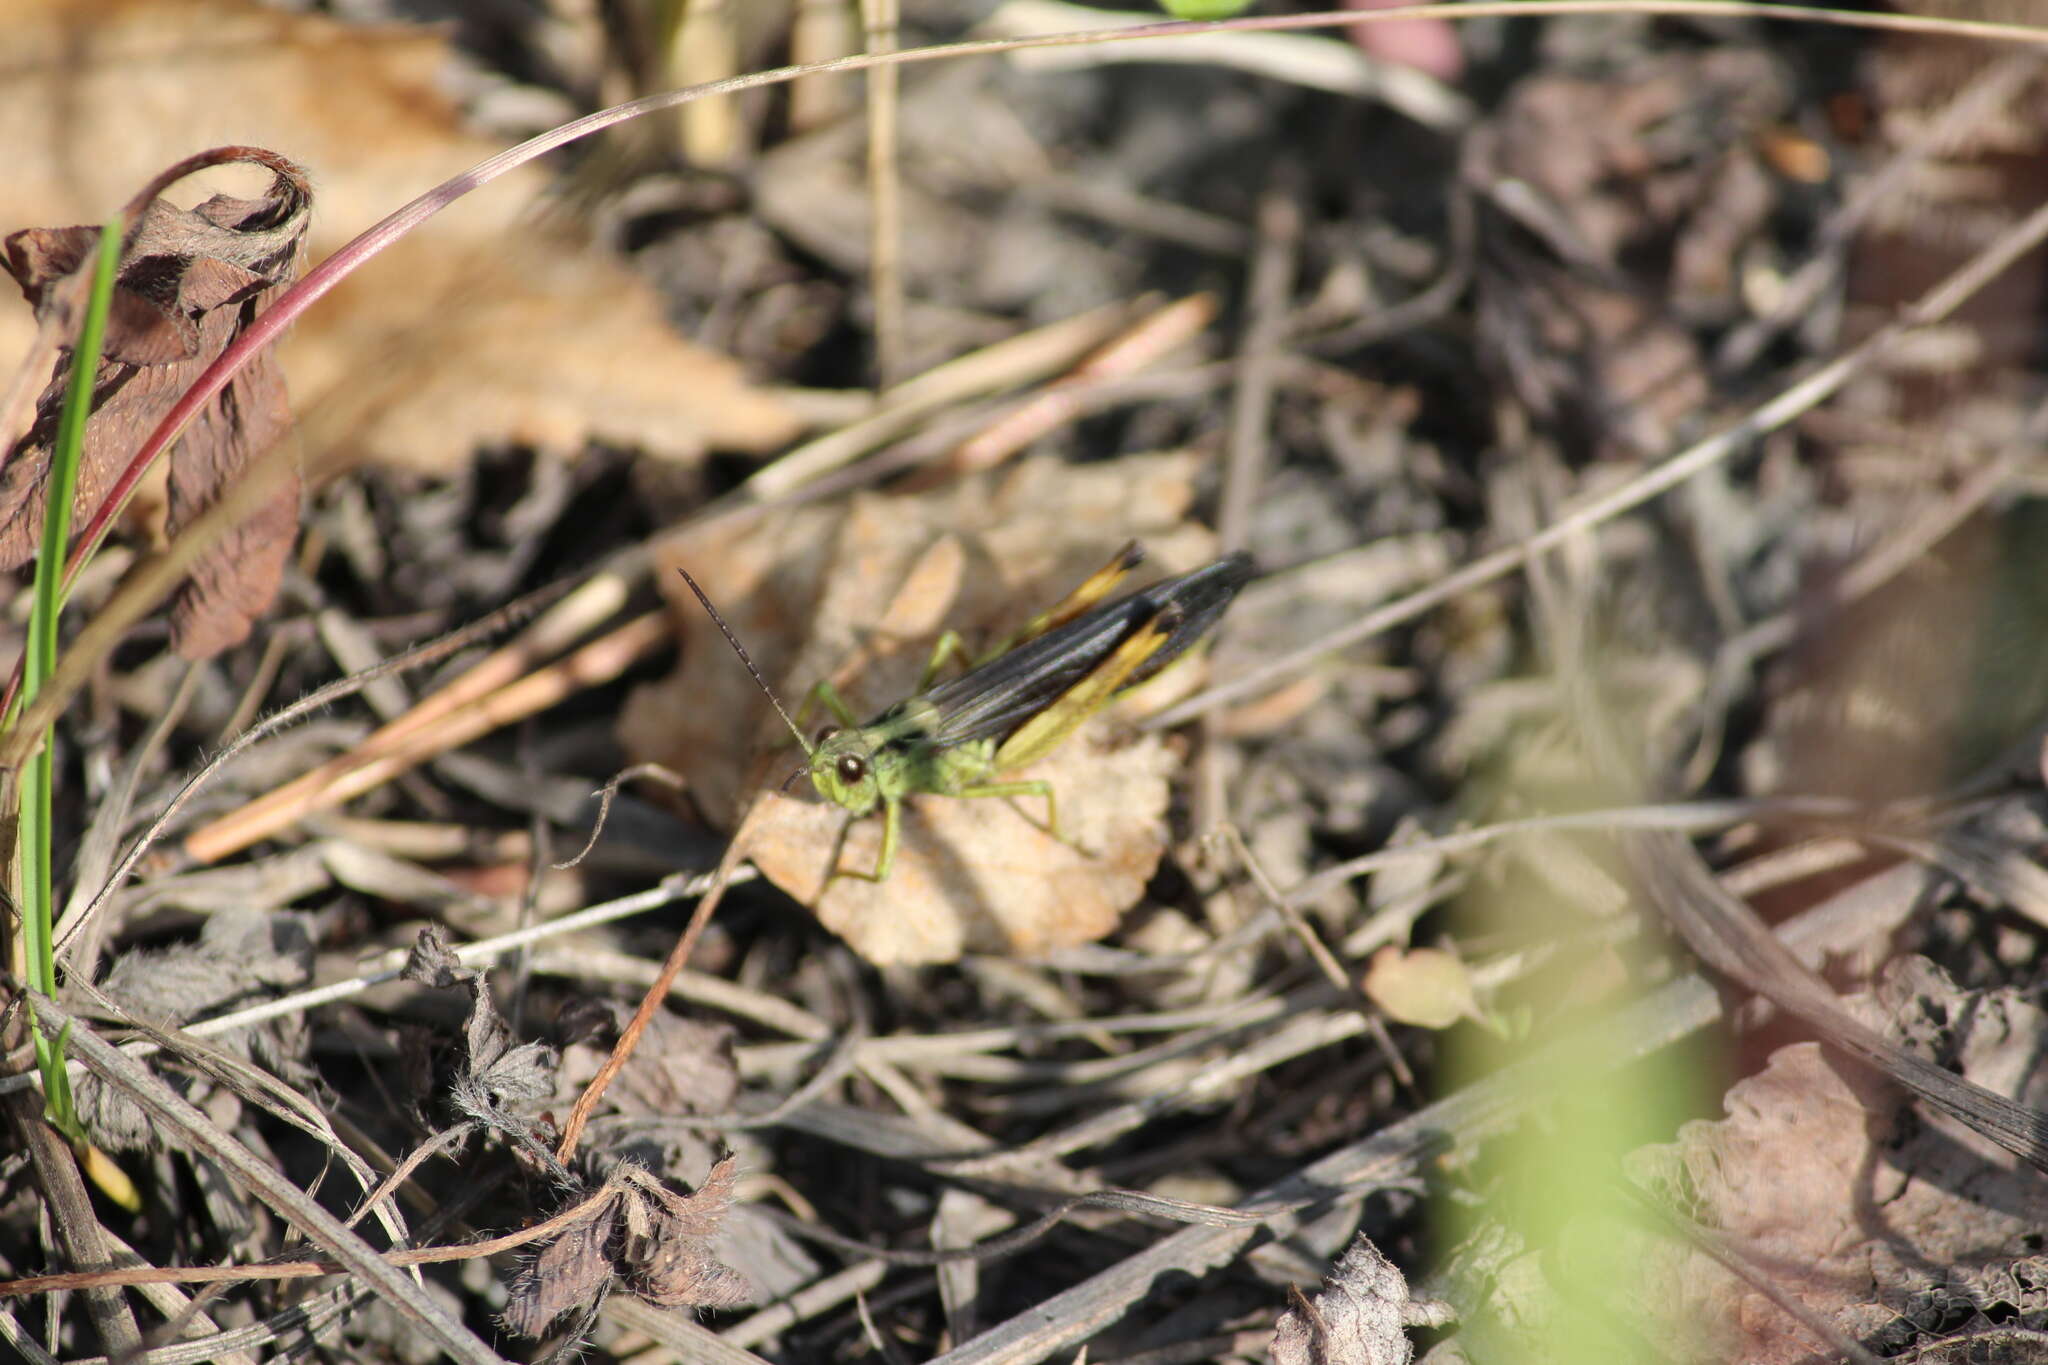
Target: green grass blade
[[37, 790]]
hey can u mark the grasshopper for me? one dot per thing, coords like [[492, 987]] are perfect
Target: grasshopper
[[958, 737]]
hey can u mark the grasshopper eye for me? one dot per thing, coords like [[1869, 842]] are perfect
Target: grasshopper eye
[[852, 769]]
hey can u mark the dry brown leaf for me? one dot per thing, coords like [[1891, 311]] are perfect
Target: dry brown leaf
[[1843, 1198], [681, 1066], [1652, 163], [1923, 682], [859, 594], [434, 352], [479, 328], [983, 875]]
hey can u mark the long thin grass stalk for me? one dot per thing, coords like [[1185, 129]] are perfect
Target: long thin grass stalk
[[38, 785]]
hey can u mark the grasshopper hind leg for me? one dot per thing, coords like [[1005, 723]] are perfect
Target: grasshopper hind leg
[[950, 646], [892, 825], [1031, 787], [824, 693]]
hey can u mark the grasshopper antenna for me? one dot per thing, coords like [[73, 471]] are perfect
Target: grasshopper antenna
[[740, 650]]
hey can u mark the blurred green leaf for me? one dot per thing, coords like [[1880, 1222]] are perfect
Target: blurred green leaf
[[1205, 9]]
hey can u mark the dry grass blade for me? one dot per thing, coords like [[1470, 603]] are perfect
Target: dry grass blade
[[1020, 360], [425, 732], [80, 915], [1155, 335], [1394, 1154], [885, 200]]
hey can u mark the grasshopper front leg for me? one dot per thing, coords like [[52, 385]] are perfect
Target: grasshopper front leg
[[892, 829]]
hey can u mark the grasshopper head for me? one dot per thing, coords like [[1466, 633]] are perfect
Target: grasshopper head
[[843, 770]]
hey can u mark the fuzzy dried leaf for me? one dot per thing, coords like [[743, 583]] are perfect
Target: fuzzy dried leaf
[[1426, 987], [191, 282], [657, 1241], [859, 595], [241, 957], [431, 962], [1360, 1318], [667, 1257], [567, 1273], [495, 1073], [432, 350]]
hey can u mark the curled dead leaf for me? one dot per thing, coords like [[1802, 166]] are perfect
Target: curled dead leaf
[[1855, 1205], [189, 283], [1360, 1318]]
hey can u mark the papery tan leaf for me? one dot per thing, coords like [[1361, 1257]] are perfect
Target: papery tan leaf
[[435, 349], [1426, 987], [983, 874], [859, 594]]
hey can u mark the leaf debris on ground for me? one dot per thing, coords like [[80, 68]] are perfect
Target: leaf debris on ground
[[1622, 234]]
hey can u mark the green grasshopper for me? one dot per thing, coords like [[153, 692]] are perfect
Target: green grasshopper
[[956, 738]]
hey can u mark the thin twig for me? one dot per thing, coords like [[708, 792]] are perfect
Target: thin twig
[[629, 1037], [418, 656], [885, 194], [405, 746]]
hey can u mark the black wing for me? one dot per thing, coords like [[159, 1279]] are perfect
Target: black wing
[[999, 696]]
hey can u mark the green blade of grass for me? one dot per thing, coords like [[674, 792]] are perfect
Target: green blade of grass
[[37, 790]]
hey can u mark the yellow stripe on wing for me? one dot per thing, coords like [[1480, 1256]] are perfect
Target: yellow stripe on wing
[[1044, 732]]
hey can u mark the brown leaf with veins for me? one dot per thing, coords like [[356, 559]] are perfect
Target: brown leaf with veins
[[859, 594], [190, 282]]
